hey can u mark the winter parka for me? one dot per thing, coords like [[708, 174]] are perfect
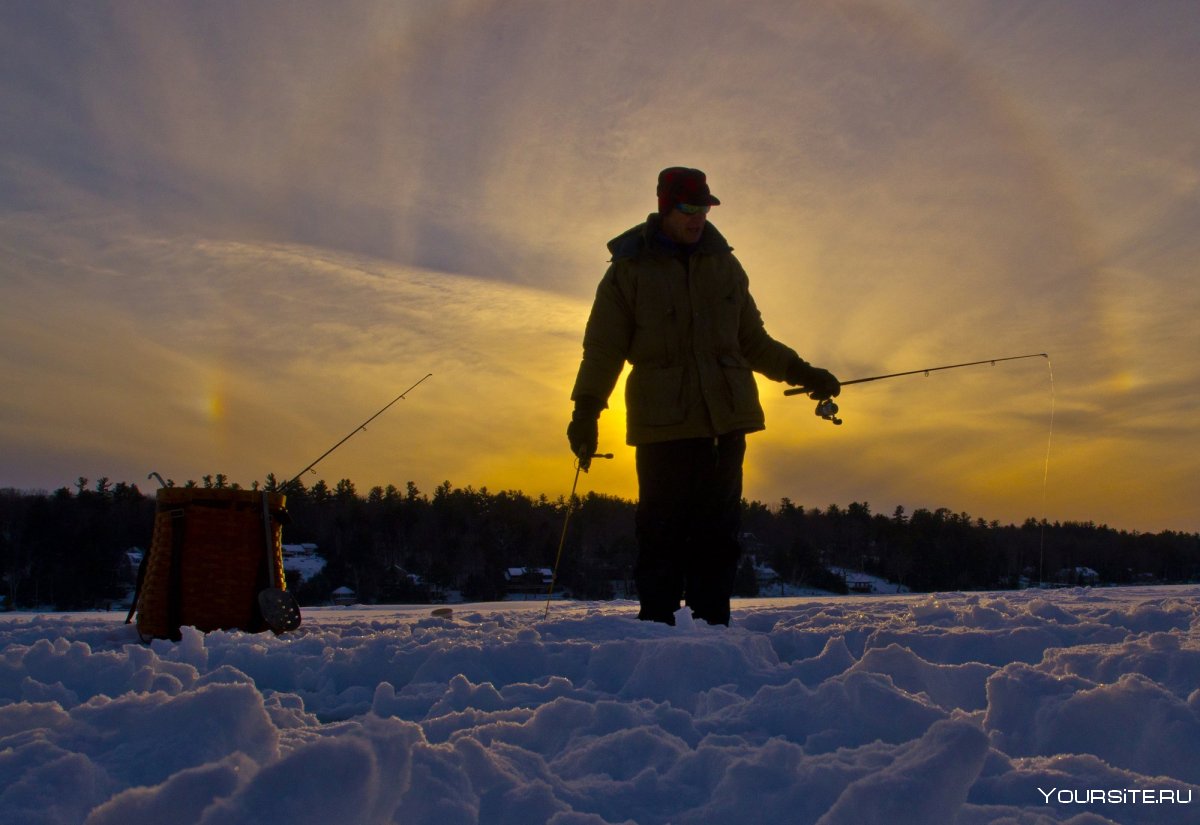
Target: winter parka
[[691, 331]]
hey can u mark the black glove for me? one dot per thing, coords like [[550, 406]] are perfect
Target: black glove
[[820, 384], [583, 433]]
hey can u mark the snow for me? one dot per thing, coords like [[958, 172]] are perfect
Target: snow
[[303, 560], [1076, 706]]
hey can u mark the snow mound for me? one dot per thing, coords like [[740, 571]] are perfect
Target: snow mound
[[1073, 706]]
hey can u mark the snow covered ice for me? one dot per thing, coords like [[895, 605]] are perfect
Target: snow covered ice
[[1073, 706]]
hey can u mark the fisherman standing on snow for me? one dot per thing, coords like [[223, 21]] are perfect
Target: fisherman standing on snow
[[675, 303]]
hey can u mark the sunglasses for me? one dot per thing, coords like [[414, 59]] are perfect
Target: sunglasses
[[692, 209]]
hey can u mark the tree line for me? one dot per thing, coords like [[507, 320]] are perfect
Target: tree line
[[68, 549]]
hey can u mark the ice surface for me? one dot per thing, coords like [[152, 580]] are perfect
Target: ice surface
[[1072, 706]]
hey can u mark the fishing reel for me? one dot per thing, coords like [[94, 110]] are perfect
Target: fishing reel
[[585, 462], [827, 410]]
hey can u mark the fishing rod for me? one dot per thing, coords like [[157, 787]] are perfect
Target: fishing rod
[[353, 432], [828, 410], [581, 465]]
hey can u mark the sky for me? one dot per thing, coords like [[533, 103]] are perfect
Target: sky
[[230, 232]]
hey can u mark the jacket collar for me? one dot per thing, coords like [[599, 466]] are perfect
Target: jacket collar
[[643, 239]]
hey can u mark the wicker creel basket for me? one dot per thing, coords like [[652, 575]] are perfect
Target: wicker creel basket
[[208, 561]]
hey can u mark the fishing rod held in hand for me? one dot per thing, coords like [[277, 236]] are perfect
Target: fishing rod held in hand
[[926, 371], [353, 432], [828, 410], [585, 463], [581, 465]]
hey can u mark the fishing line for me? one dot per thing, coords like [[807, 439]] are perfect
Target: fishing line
[[827, 409], [1046, 478]]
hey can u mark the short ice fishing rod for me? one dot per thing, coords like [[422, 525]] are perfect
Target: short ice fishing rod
[[353, 432], [828, 410], [581, 465]]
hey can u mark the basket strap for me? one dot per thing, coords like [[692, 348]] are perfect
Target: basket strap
[[175, 579]]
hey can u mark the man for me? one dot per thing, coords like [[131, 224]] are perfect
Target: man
[[675, 303]]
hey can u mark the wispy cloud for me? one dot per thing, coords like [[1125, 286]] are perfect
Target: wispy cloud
[[231, 232]]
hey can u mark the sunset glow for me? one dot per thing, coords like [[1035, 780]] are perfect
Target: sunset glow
[[232, 232]]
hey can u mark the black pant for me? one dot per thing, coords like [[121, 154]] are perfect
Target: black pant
[[688, 516]]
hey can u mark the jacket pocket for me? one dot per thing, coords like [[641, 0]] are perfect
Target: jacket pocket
[[739, 379], [654, 396]]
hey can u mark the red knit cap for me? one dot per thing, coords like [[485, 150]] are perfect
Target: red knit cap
[[678, 184]]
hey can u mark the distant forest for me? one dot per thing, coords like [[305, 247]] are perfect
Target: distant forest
[[68, 549]]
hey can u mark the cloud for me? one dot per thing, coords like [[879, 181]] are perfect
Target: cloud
[[233, 232], [195, 357]]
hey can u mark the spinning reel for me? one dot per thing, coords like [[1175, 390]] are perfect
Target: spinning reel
[[827, 410]]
